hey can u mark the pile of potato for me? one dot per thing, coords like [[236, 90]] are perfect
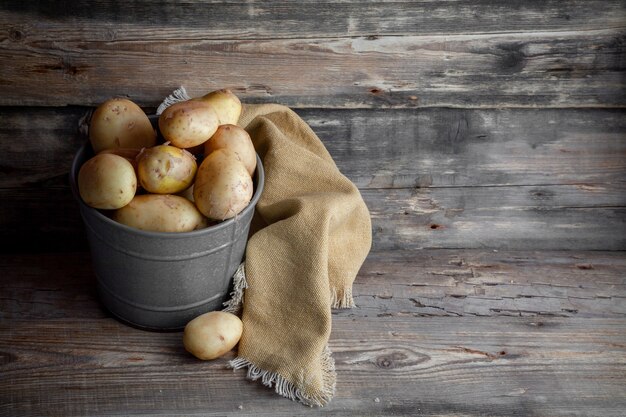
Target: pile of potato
[[156, 186]]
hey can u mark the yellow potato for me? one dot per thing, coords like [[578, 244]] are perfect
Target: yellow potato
[[223, 186], [165, 169], [161, 213], [107, 181], [226, 104], [120, 123], [212, 334], [236, 139], [188, 123]]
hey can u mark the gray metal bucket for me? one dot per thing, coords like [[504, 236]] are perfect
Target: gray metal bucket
[[157, 280]]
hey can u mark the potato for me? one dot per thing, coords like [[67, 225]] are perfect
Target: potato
[[160, 213], [120, 123], [212, 334], [107, 181], [223, 186], [165, 169], [188, 194], [237, 140], [226, 104], [188, 123]]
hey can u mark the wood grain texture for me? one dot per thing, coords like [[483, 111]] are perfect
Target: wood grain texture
[[61, 355], [461, 147], [539, 69], [39, 145], [140, 20], [583, 217], [521, 217], [382, 148], [484, 283], [432, 178], [398, 283], [386, 367], [496, 126]]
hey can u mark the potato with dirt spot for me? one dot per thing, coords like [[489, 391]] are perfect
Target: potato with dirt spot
[[161, 213], [212, 334], [188, 123], [226, 105], [165, 169], [107, 181], [120, 123], [223, 186], [236, 139]]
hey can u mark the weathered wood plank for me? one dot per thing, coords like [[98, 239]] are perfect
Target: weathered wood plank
[[143, 20], [383, 148], [563, 172], [386, 367], [539, 69], [60, 353], [546, 217], [491, 283], [394, 283], [520, 217], [454, 147], [39, 145], [47, 286]]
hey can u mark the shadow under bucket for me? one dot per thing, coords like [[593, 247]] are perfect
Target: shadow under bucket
[[158, 280]]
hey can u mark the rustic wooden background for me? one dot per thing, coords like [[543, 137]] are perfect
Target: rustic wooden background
[[465, 123], [488, 139]]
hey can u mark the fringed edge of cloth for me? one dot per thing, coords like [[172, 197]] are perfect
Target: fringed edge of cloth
[[342, 298], [272, 379], [235, 303], [180, 94], [287, 389]]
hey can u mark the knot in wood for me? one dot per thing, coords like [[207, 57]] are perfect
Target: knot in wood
[[385, 362], [512, 58], [16, 35]]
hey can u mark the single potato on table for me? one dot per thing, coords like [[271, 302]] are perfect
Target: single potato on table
[[236, 139], [161, 213], [165, 169], [107, 181], [212, 334], [223, 186], [120, 123]]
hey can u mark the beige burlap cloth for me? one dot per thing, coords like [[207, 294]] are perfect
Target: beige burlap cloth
[[311, 234]]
